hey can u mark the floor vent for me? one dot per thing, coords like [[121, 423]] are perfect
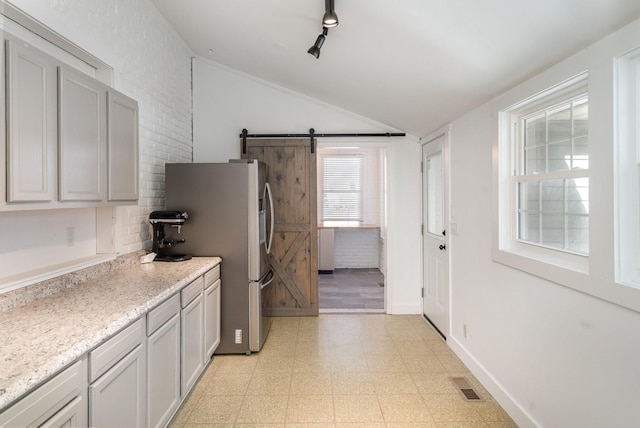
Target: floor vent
[[465, 389]]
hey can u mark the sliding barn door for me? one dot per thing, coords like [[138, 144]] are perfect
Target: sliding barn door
[[294, 254]]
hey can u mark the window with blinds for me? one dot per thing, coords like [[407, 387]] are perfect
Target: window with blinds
[[342, 177]]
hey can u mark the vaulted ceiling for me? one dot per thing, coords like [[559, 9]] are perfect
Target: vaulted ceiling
[[413, 65]]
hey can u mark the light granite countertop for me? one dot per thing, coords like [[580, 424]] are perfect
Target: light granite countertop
[[41, 337]]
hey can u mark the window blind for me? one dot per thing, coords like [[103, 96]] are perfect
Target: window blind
[[342, 187]]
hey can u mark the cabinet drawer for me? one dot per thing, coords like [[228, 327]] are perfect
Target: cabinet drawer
[[211, 276], [40, 405], [163, 313], [192, 291], [109, 353]]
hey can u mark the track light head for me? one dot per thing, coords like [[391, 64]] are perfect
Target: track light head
[[330, 19], [315, 49]]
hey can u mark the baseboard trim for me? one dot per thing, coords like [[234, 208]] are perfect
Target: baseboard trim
[[351, 311], [404, 309], [519, 415]]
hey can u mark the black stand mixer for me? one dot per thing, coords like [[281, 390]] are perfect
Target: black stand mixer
[[161, 243]]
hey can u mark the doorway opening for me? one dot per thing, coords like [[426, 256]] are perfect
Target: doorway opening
[[352, 207]]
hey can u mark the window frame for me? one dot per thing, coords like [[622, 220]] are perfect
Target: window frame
[[548, 262], [521, 176], [599, 278], [359, 218], [627, 169]]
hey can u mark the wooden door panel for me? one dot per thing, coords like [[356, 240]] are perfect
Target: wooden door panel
[[292, 177]]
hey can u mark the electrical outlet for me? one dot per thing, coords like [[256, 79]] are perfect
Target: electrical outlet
[[70, 238], [465, 330], [454, 229], [238, 336]]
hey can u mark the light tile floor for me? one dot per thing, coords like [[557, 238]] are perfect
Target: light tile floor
[[364, 370]]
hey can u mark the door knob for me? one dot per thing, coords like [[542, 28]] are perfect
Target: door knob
[[442, 247]]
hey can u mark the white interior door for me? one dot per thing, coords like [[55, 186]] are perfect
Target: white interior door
[[435, 264]]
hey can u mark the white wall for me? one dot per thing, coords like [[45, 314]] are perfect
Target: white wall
[[226, 101], [553, 356], [152, 65]]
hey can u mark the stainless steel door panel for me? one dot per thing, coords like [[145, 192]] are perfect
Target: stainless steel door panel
[[255, 259], [215, 196], [259, 325], [255, 317], [260, 218]]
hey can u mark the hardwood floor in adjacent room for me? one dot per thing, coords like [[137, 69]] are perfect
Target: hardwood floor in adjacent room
[[352, 289]]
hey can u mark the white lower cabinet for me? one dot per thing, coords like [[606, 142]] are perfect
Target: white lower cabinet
[[192, 328], [61, 401], [139, 376], [211, 312], [163, 362], [117, 398]]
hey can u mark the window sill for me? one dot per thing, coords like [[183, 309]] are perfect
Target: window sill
[[538, 265], [577, 279]]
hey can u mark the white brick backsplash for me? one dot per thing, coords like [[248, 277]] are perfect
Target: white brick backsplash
[[357, 248]]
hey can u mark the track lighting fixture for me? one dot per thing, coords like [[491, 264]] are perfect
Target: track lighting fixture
[[330, 19], [315, 49]]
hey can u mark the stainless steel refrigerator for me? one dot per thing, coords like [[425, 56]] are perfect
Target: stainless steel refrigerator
[[230, 212]]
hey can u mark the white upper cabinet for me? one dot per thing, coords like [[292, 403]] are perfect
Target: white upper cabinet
[[31, 124], [122, 113], [82, 124], [70, 140]]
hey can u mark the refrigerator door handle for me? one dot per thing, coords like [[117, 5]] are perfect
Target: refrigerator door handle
[[267, 191], [266, 279]]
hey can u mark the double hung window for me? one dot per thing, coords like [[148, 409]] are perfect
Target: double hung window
[[551, 176], [341, 188], [544, 176]]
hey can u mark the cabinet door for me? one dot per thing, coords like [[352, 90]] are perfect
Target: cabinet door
[[122, 164], [82, 127], [31, 124], [211, 319], [163, 369], [192, 323], [72, 415], [117, 398]]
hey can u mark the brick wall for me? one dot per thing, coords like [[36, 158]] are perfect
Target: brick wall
[[357, 248], [151, 64]]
